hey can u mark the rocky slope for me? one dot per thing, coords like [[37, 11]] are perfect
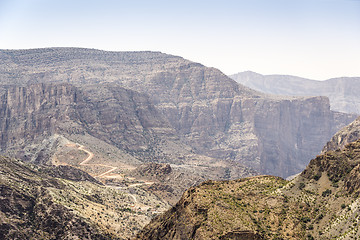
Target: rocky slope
[[208, 111], [321, 203], [66, 203], [346, 135], [342, 92]]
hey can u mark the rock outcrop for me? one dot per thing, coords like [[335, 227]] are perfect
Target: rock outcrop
[[346, 135], [29, 211]]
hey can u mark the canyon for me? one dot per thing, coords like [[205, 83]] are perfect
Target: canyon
[[109, 140], [197, 109]]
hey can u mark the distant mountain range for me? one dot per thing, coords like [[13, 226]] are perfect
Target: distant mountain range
[[343, 92]]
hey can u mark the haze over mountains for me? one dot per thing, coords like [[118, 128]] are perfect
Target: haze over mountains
[[343, 92]]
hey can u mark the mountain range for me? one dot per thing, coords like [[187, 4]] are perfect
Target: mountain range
[[156, 107], [109, 140], [342, 92]]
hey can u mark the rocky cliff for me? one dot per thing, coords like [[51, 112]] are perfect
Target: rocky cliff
[[208, 111], [346, 135], [113, 114], [342, 92]]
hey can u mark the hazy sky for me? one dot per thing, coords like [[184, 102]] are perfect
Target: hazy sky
[[316, 39]]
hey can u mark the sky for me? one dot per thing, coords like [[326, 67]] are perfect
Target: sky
[[316, 39]]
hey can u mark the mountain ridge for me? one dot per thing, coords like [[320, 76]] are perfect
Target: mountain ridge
[[207, 110], [341, 91]]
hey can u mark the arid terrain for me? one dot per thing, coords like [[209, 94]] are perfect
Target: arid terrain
[[99, 143]]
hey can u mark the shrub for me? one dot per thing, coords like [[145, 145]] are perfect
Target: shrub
[[326, 193], [317, 177], [305, 219]]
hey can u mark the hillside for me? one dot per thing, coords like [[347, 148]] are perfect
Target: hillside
[[321, 203], [342, 92], [177, 111], [67, 203]]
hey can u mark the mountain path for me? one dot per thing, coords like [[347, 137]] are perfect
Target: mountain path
[[90, 157]]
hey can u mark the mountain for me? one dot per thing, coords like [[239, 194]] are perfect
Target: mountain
[[321, 203], [105, 130], [150, 106], [342, 92]]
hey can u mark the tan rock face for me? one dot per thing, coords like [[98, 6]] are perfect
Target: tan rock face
[[30, 112], [206, 109], [346, 135], [113, 114]]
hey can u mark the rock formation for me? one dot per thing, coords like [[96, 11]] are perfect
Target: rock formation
[[207, 110], [346, 135]]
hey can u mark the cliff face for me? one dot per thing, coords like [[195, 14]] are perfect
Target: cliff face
[[290, 131], [209, 111], [30, 112], [342, 92], [346, 135], [113, 114]]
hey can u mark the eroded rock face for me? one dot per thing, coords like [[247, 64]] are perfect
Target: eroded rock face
[[208, 111], [346, 135], [31, 112], [113, 114]]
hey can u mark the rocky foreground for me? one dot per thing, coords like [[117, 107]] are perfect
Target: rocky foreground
[[66, 203]]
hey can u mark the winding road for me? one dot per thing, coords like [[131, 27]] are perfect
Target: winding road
[[112, 168], [91, 155]]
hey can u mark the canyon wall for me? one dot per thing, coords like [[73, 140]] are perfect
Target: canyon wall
[[210, 112]]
